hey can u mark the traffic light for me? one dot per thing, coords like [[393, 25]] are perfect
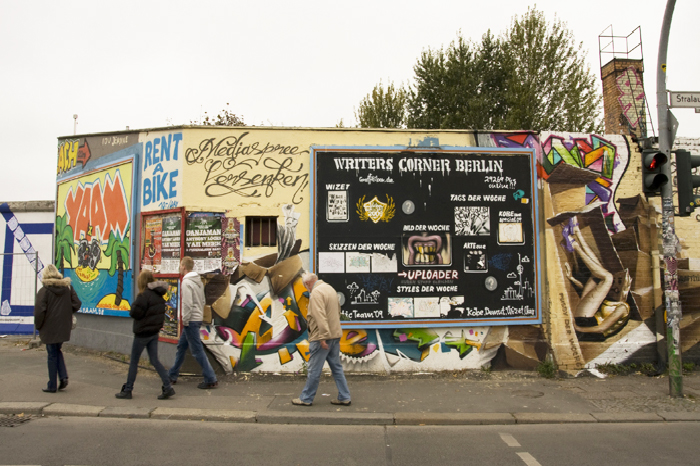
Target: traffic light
[[687, 182], [652, 177]]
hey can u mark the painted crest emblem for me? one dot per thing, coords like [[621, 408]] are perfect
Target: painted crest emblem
[[376, 210]]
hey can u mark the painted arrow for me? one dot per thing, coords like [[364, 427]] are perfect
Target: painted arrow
[[83, 153]]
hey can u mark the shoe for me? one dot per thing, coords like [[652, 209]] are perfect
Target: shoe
[[208, 385], [124, 394], [166, 394], [298, 402], [341, 403], [173, 382], [46, 390], [63, 384]]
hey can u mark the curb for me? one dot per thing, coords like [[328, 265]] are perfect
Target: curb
[[339, 418]]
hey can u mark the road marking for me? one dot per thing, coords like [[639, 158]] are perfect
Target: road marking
[[510, 440], [529, 459]]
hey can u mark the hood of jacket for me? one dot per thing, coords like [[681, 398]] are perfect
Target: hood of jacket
[[159, 287], [194, 276], [58, 282]]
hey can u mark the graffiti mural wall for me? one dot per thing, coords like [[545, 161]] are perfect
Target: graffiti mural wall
[[595, 234], [93, 237]]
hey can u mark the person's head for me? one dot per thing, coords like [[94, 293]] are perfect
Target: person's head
[[50, 271], [309, 279], [145, 277], [186, 265]]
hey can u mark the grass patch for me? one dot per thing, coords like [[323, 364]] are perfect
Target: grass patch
[[627, 369], [547, 369]]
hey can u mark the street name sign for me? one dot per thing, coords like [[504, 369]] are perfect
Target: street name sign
[[684, 99]]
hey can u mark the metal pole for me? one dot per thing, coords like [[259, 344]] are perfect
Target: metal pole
[[666, 136], [36, 279]]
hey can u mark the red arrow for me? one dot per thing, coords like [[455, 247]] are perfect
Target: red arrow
[[83, 153]]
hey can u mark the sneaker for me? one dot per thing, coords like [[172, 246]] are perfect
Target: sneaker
[[342, 403], [208, 385], [298, 402], [63, 384], [124, 394], [166, 393]]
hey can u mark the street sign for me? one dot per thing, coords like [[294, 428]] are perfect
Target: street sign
[[684, 99]]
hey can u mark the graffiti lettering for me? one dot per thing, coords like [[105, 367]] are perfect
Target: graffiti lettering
[[94, 210], [160, 178], [155, 155], [247, 185], [67, 155], [227, 163]]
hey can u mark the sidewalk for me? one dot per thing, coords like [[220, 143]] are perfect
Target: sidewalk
[[471, 398]]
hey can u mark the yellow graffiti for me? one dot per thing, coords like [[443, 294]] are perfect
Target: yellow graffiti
[[353, 346], [284, 355], [303, 348], [86, 274], [67, 156], [108, 302]]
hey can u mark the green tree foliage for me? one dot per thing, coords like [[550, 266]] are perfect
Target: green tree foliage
[[549, 86], [382, 108], [531, 77]]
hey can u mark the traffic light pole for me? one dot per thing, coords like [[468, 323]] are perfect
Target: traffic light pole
[[666, 137]]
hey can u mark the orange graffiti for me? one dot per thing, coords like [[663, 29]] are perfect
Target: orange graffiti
[[96, 211]]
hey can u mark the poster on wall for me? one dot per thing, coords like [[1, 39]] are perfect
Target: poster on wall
[[169, 332], [437, 238], [151, 245], [94, 237], [170, 243], [230, 244], [203, 241]]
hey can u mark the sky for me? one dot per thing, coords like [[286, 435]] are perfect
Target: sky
[[146, 63]]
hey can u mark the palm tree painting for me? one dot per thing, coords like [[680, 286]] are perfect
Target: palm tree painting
[[64, 242], [118, 252]]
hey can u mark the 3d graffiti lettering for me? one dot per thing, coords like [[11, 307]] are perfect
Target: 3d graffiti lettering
[[96, 210]]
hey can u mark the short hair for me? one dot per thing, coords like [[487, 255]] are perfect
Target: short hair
[[188, 263], [145, 277], [308, 277]]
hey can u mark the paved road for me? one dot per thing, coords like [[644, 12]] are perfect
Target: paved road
[[94, 441]]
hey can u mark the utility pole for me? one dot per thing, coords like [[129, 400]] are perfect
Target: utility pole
[[667, 134]]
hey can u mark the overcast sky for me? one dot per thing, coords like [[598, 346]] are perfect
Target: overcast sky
[[307, 63]]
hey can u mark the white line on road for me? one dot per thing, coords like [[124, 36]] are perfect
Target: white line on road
[[510, 440], [529, 459]]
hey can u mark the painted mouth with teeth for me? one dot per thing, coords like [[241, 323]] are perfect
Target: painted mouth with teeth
[[424, 250]]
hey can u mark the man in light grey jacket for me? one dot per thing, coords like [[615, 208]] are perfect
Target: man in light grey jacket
[[192, 299]]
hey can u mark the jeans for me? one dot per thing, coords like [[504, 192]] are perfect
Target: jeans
[[317, 357], [190, 338], [151, 346], [57, 366]]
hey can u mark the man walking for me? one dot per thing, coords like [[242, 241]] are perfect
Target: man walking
[[323, 316], [192, 293]]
